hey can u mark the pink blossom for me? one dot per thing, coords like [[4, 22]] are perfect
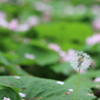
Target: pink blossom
[[2, 15], [62, 53], [95, 9], [94, 39], [96, 24], [81, 71], [54, 47], [33, 20], [23, 27], [6, 98], [13, 24], [97, 79], [3, 23], [40, 6], [29, 56], [68, 55], [46, 16]]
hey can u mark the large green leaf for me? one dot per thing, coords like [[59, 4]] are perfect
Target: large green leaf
[[45, 88], [62, 33]]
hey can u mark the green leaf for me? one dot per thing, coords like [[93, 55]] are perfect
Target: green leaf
[[8, 93], [43, 56], [86, 79], [62, 33], [13, 68], [64, 68], [92, 74], [46, 89]]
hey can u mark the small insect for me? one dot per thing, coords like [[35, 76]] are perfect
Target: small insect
[[23, 88], [80, 59]]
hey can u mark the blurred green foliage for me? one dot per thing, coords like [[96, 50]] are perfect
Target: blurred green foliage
[[27, 52]]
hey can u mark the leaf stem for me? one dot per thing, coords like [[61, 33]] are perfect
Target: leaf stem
[[75, 95]]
